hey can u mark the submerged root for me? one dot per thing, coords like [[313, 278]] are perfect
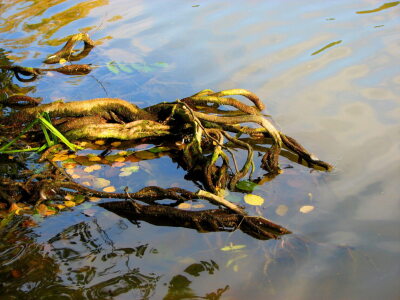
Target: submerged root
[[201, 138]]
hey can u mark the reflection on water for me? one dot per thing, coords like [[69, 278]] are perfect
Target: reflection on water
[[328, 72]]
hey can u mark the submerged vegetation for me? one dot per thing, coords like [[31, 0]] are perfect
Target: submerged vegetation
[[195, 132]]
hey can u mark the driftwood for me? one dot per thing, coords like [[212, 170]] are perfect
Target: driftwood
[[200, 136]]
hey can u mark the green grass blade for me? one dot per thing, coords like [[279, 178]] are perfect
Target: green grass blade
[[58, 134], [27, 128], [54, 137], [49, 142], [22, 150]]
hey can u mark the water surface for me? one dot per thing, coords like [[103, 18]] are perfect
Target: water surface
[[328, 72]]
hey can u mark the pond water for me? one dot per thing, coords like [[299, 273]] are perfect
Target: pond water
[[329, 74]]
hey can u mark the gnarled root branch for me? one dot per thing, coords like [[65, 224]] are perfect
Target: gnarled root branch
[[203, 221]]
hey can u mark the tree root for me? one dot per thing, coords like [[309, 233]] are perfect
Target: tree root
[[199, 135], [202, 221]]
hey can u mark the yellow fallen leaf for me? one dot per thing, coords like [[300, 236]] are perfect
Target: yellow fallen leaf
[[72, 155], [83, 144], [75, 176], [281, 210], [87, 183], [118, 165], [124, 174], [69, 171], [62, 61], [69, 197], [100, 142], [88, 169], [70, 165], [115, 144], [69, 203], [120, 159], [94, 158], [253, 199], [198, 205], [101, 182], [94, 199], [96, 167], [122, 153], [306, 209], [60, 206], [145, 155], [232, 247], [184, 206], [14, 208], [10, 157], [60, 157], [109, 189]]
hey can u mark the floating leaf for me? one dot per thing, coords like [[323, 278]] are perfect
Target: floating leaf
[[133, 168], [109, 189], [69, 203], [78, 199], [159, 149], [306, 209], [14, 208], [141, 67], [125, 174], [115, 144], [281, 210], [145, 155], [69, 165], [94, 158], [87, 183], [197, 5], [118, 165], [246, 185], [100, 182], [62, 61], [198, 205], [60, 206], [125, 68], [112, 67], [184, 205], [100, 142], [253, 199], [232, 247], [122, 153], [96, 167], [88, 170], [120, 159], [59, 157], [69, 197], [94, 199], [75, 176], [232, 260]]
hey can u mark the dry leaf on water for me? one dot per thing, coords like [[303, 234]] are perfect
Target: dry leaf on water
[[184, 206], [109, 189], [281, 210], [306, 209], [253, 199]]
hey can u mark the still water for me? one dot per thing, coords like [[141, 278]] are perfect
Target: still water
[[329, 74]]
